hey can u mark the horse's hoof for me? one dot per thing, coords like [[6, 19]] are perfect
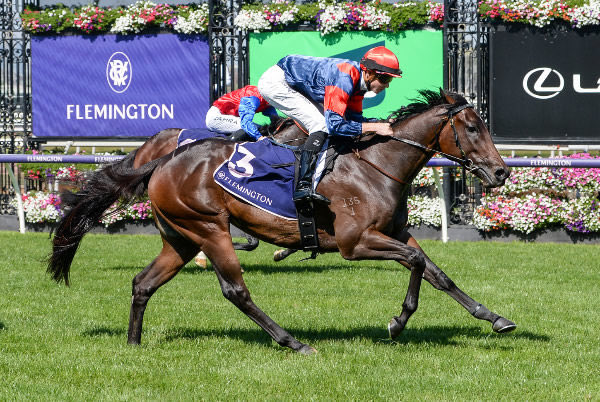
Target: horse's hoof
[[502, 325], [394, 328], [307, 350], [278, 255], [200, 260]]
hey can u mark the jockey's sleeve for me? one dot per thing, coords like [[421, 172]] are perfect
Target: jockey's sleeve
[[337, 125], [270, 112], [337, 102], [355, 116], [247, 109]]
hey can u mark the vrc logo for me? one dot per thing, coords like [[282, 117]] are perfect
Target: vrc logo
[[544, 81], [119, 72]]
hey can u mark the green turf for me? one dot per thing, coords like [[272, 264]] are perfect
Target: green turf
[[59, 343]]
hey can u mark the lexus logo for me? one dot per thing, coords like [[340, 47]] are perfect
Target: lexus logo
[[539, 76], [546, 83]]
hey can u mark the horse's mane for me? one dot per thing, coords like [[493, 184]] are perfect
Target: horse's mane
[[426, 100]]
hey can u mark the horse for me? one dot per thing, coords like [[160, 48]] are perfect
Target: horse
[[192, 212]]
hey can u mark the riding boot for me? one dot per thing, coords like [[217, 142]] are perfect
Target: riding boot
[[304, 188], [241, 136]]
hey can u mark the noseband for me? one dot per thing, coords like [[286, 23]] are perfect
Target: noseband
[[463, 160]]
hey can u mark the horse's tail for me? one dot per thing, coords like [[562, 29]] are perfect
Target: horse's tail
[[85, 208]]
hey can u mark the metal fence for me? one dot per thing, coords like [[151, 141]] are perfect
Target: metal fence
[[228, 48], [466, 63], [15, 77]]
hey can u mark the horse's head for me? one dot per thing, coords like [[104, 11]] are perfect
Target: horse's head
[[465, 136]]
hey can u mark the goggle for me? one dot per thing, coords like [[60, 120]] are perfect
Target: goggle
[[384, 78]]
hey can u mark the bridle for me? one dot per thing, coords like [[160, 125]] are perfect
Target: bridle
[[463, 160]]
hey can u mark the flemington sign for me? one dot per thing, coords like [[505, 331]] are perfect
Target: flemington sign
[[116, 86], [545, 85], [25, 158]]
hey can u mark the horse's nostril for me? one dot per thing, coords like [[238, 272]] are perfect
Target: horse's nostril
[[501, 174]]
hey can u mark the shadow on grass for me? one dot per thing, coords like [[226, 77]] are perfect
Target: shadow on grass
[[438, 335], [2, 326], [190, 268], [104, 331], [267, 268]]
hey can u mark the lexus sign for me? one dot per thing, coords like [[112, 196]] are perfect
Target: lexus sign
[[546, 86]]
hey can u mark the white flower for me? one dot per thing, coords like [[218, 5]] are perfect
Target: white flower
[[194, 23], [252, 21], [424, 211], [40, 207]]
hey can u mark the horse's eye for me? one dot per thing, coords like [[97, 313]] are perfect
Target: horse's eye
[[471, 129]]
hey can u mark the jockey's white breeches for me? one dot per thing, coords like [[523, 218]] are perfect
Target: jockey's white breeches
[[221, 123], [274, 88]]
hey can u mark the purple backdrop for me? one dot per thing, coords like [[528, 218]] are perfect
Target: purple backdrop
[[109, 85]]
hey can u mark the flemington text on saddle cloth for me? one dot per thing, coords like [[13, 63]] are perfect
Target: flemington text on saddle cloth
[[262, 174]]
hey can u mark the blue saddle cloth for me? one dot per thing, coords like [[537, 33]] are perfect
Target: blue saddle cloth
[[262, 174], [189, 135]]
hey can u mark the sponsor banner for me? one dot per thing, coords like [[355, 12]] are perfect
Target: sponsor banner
[[54, 158], [420, 54], [546, 85], [126, 86]]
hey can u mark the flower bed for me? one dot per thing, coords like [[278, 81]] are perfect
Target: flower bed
[[540, 198], [330, 17], [44, 207], [542, 13], [326, 16], [143, 15]]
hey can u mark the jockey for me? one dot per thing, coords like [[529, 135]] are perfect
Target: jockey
[[234, 111], [297, 85]]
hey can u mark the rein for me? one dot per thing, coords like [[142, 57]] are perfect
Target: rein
[[380, 170], [463, 160], [280, 127]]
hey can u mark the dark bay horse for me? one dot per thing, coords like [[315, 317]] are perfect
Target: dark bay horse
[[193, 213]]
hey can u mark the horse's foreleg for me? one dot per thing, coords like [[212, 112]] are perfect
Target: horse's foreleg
[[228, 270], [157, 273], [439, 280], [376, 245]]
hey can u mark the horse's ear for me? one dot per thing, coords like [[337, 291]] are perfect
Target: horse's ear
[[446, 96]]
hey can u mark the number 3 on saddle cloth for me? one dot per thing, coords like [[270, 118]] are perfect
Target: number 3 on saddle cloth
[[262, 174]]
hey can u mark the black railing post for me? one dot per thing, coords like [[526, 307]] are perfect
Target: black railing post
[[228, 48]]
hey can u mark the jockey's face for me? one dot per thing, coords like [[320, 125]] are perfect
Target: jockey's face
[[377, 82]]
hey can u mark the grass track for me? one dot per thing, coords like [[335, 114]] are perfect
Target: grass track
[[70, 343]]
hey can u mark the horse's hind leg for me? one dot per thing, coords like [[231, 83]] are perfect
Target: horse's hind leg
[[157, 273], [439, 280], [282, 254], [252, 243], [227, 267]]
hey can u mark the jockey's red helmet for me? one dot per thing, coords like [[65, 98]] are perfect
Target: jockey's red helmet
[[382, 61]]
